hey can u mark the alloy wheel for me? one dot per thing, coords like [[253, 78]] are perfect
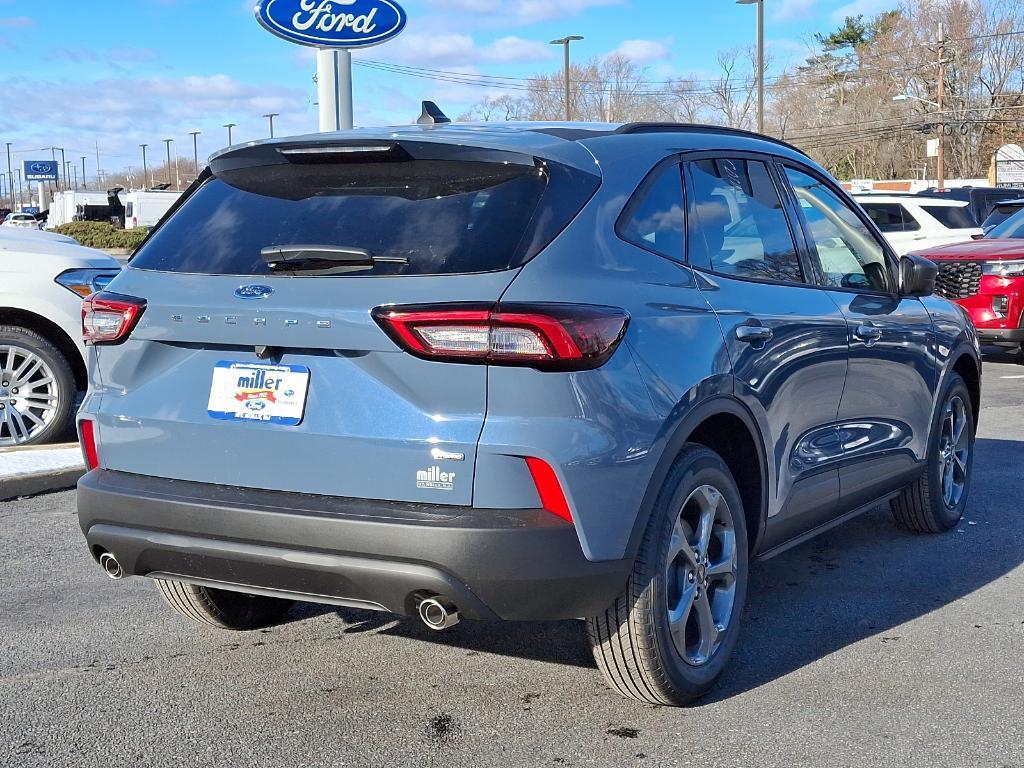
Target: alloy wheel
[[954, 451], [700, 575], [29, 395]]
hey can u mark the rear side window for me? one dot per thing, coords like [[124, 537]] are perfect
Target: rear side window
[[655, 219], [890, 217], [417, 217], [737, 225], [951, 217]]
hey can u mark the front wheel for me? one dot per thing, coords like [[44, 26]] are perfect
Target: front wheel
[[935, 502], [37, 388], [666, 639]]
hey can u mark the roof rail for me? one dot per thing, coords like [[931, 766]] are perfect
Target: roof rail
[[651, 127]]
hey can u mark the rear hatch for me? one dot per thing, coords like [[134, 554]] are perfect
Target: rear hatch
[[257, 363]]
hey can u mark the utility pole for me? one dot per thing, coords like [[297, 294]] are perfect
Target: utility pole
[[229, 126], [195, 149], [10, 176], [63, 169], [85, 182], [168, 143], [271, 117], [145, 167], [940, 158], [564, 42]]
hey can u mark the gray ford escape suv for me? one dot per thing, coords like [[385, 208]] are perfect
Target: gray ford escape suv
[[523, 371]]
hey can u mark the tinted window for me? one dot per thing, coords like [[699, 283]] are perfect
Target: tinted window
[[737, 224], [1012, 227], [848, 252], [888, 217], [655, 219], [999, 214], [951, 217], [426, 216]]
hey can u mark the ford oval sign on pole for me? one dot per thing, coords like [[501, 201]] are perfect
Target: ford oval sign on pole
[[335, 27], [332, 23]]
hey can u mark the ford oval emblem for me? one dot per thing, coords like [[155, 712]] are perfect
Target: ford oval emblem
[[253, 291], [332, 23]]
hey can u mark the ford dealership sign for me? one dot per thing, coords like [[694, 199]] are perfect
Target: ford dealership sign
[[332, 23]]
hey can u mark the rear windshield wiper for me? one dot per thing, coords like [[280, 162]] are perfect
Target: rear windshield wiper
[[323, 258]]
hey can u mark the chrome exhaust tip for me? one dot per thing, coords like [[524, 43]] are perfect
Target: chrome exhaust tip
[[438, 614], [110, 566]]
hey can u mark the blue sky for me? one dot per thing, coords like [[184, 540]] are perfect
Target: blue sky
[[77, 72]]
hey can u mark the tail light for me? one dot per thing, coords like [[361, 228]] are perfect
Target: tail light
[[550, 490], [563, 337], [108, 318], [86, 429]]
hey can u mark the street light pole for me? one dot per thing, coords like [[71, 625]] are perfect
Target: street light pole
[[85, 183], [168, 143], [145, 167], [564, 42], [10, 175], [271, 117], [229, 126], [63, 169], [195, 149], [760, 60]]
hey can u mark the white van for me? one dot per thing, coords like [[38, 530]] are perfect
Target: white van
[[146, 208]]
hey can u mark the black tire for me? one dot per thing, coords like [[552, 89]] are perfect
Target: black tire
[[222, 608], [922, 506], [64, 382], [632, 641]]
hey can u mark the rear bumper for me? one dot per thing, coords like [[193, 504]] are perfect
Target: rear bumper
[[1000, 335], [492, 564]]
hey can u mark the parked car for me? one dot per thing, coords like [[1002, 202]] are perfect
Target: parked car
[[42, 365], [980, 199], [23, 220], [511, 371], [146, 208], [910, 223], [986, 277], [1001, 212]]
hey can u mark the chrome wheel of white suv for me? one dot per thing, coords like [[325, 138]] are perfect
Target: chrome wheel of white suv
[[36, 388]]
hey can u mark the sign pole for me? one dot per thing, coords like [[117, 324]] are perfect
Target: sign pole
[[334, 88]]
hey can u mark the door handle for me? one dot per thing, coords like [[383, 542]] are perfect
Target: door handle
[[867, 333], [754, 334]]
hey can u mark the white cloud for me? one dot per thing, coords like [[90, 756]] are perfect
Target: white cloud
[[512, 48], [460, 52], [858, 7], [16, 21], [786, 10], [642, 51], [523, 10]]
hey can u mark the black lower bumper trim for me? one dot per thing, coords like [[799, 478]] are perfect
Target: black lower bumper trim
[[507, 564], [1000, 335]]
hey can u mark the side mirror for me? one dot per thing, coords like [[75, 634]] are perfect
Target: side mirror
[[917, 276]]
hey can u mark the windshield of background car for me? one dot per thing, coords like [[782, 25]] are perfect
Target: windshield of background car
[[951, 216], [1012, 227]]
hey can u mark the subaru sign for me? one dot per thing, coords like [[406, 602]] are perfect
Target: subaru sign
[[332, 23], [41, 170]]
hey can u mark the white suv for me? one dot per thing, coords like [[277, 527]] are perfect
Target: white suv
[[912, 223], [42, 368]]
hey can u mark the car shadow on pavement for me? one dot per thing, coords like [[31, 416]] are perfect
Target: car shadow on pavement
[[861, 580]]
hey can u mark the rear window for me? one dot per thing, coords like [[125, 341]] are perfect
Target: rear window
[[1012, 227], [890, 217], [418, 216], [951, 217]]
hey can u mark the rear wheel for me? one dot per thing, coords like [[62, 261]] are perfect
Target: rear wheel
[[222, 608], [37, 388], [936, 501], [666, 639]]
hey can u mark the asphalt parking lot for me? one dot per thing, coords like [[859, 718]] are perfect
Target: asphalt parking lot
[[867, 646]]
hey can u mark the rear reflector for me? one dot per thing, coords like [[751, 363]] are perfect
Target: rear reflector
[[546, 336], [550, 490], [88, 438], [108, 318]]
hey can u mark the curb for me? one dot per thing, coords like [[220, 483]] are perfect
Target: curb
[[40, 482], [47, 481]]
